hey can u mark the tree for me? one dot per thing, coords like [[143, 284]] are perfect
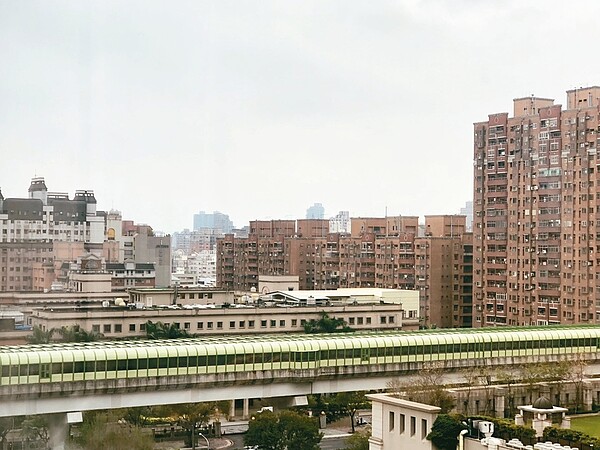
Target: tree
[[265, 431], [35, 428], [427, 387], [358, 441], [348, 403], [576, 375], [158, 330], [101, 431], [6, 425], [444, 432], [191, 416], [326, 324], [286, 430], [40, 336], [137, 416], [75, 333]]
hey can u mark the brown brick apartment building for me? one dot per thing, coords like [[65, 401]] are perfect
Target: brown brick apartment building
[[379, 252], [536, 217]]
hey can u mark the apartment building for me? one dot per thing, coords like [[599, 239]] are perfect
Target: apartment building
[[43, 232], [536, 215], [379, 253], [444, 272], [30, 226]]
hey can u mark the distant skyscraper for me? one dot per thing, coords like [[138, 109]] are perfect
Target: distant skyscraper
[[340, 223], [214, 221], [316, 211], [468, 211]]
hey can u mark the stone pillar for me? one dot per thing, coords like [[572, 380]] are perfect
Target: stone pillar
[[588, 396], [232, 409], [58, 430], [499, 394], [519, 420], [246, 409]]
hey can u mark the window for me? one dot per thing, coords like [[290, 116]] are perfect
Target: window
[[186, 325], [251, 324], [294, 322], [273, 323], [132, 327], [359, 321], [423, 428], [351, 320], [282, 323], [232, 324], [402, 423], [368, 321], [391, 319], [118, 328], [413, 425], [96, 328], [209, 325], [263, 323], [107, 328], [219, 325], [382, 319], [200, 325], [392, 421], [142, 327]]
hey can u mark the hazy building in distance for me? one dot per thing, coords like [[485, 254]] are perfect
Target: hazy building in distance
[[537, 213], [340, 223], [215, 221], [468, 212], [315, 211]]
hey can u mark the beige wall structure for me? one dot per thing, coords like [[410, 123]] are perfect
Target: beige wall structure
[[124, 322], [400, 424]]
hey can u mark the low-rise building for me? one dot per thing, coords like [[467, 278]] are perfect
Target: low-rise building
[[127, 322]]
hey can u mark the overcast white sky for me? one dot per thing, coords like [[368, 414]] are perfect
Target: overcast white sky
[[260, 108]]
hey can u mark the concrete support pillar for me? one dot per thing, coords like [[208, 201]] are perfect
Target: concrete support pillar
[[588, 396], [499, 402], [232, 409], [246, 409], [58, 430]]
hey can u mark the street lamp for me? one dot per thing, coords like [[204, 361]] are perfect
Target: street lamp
[[205, 438]]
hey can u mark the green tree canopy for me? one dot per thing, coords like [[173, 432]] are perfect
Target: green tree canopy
[[75, 333], [358, 441], [286, 430], [159, 330], [101, 431], [40, 336], [191, 416], [326, 324], [444, 432]]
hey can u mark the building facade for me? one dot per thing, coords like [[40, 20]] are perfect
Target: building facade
[[30, 226], [378, 253], [536, 216], [444, 272]]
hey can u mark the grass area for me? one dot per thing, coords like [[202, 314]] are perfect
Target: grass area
[[588, 424]]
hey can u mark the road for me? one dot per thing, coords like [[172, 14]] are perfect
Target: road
[[328, 443], [333, 443]]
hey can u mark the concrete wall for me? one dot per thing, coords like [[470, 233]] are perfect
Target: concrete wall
[[400, 424]]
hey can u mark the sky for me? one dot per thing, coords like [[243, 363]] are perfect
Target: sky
[[259, 109]]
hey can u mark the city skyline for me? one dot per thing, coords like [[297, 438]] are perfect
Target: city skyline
[[262, 109]]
